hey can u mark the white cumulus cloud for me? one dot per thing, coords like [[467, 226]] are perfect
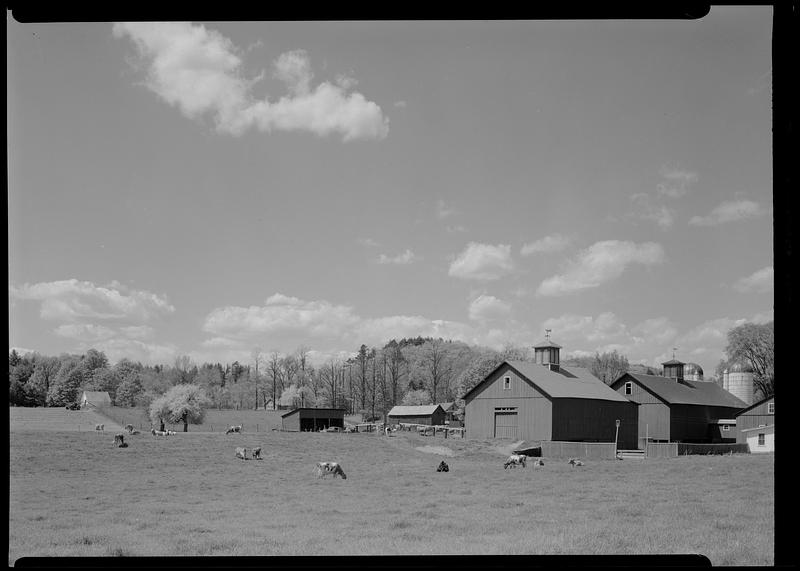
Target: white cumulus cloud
[[200, 71], [553, 243], [488, 307], [761, 281], [599, 263], [729, 211], [482, 262], [406, 257]]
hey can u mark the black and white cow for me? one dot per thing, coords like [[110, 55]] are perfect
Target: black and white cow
[[234, 429], [443, 467], [159, 432], [575, 462], [323, 469], [538, 462], [119, 439], [515, 460], [257, 453], [100, 427]]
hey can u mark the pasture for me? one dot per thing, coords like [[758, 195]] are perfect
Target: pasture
[[75, 494]]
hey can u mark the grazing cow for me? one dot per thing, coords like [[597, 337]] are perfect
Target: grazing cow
[[123, 445], [159, 432], [129, 428], [171, 432], [515, 460], [443, 467], [257, 453], [325, 468], [119, 439], [241, 453], [236, 429], [575, 462], [538, 462], [99, 427]]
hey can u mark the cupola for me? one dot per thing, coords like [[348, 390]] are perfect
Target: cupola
[[547, 353], [673, 369]]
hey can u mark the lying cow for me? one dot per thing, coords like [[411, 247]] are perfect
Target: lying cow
[[515, 460], [538, 462], [159, 432], [326, 468], [443, 467], [99, 426], [257, 453], [241, 453], [129, 428], [575, 462], [171, 433], [236, 429]]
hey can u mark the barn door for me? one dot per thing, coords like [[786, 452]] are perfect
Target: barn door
[[505, 424]]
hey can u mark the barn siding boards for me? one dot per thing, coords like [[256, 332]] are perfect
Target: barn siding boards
[[592, 420], [754, 416]]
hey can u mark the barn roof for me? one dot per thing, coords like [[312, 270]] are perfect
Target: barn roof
[[422, 410], [97, 395], [566, 382], [754, 405], [300, 409], [686, 392], [447, 405]]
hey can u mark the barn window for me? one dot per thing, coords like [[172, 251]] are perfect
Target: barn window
[[761, 439], [770, 408], [725, 427], [628, 388], [506, 383]]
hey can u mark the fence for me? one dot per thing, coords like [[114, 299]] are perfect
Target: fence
[[685, 449], [661, 449], [594, 450]]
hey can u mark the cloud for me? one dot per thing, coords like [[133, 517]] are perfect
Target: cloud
[[401, 104], [87, 332], [482, 262], [553, 243], [406, 257], [676, 182], [601, 263], [442, 210], [645, 209], [369, 242], [455, 229], [759, 282], [200, 72], [72, 300], [136, 350], [730, 211], [487, 308]]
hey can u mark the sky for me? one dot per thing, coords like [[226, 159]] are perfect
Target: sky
[[207, 189]]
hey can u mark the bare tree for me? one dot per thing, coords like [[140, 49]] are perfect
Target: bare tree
[[436, 364], [255, 354], [755, 344], [275, 372]]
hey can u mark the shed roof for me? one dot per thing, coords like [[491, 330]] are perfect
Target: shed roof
[[686, 392], [422, 410], [769, 427], [447, 405], [754, 405], [566, 382], [291, 412]]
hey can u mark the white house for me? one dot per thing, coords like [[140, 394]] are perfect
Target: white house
[[760, 439], [95, 398]]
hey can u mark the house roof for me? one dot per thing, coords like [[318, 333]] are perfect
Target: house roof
[[685, 392], [567, 382], [447, 405], [422, 410], [754, 405], [770, 427], [291, 412], [94, 395]]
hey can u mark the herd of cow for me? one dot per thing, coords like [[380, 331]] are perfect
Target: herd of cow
[[321, 469]]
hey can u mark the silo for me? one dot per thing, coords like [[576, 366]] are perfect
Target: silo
[[692, 372], [738, 380]]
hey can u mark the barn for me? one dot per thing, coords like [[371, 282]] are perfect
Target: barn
[[758, 415], [312, 419], [673, 409], [544, 401], [432, 414], [760, 439], [95, 398]]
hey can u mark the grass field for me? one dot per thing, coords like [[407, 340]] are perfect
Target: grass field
[[75, 494]]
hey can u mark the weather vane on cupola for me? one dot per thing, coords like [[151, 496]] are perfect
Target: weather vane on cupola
[[547, 333], [673, 351]]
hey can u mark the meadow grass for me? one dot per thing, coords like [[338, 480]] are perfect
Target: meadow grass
[[75, 494]]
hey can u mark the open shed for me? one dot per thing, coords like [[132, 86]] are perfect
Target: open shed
[[312, 419], [432, 414]]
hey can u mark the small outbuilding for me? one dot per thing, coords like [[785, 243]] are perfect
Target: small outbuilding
[[312, 419], [95, 398], [758, 415], [431, 414], [760, 439]]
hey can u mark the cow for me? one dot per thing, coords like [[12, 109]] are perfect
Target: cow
[[99, 427], [575, 462], [129, 428], [443, 467], [241, 453], [232, 429], [171, 433], [119, 439], [515, 460], [538, 462], [323, 469], [159, 432], [257, 453]]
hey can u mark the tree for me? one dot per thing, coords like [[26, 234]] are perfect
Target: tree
[[255, 354], [394, 355], [184, 371], [66, 385], [44, 374], [476, 371], [417, 397], [276, 375], [19, 372], [755, 344], [609, 366], [181, 403], [290, 396], [128, 390], [94, 359]]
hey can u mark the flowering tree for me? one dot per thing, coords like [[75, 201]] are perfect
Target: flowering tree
[[181, 403]]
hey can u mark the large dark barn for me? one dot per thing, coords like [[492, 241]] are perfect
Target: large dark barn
[[312, 419], [544, 401], [672, 409]]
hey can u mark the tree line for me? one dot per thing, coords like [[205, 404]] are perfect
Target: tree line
[[409, 371]]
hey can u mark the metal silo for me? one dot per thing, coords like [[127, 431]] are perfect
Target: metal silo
[[738, 380]]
